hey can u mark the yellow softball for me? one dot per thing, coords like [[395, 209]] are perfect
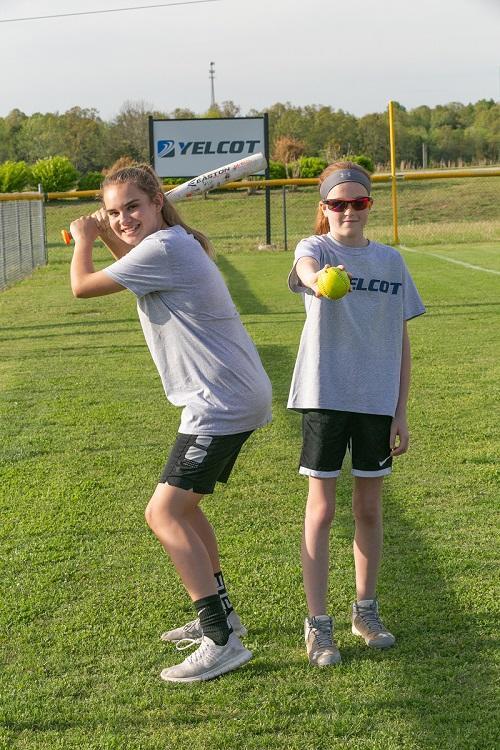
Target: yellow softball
[[333, 282]]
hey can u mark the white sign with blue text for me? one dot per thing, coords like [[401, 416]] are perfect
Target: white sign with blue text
[[186, 148]]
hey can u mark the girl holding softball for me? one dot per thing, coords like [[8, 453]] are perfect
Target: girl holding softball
[[208, 365], [350, 382]]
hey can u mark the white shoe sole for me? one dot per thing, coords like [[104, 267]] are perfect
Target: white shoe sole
[[237, 661], [370, 643]]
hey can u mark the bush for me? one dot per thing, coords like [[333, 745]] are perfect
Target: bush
[[90, 181], [276, 170], [14, 176], [55, 174], [308, 166], [363, 161], [169, 181]]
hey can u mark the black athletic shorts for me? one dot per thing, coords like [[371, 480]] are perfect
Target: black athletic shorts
[[197, 462], [326, 435]]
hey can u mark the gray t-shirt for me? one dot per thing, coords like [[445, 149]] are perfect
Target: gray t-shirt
[[207, 361], [349, 356]]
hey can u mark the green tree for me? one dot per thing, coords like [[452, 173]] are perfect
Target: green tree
[[374, 137], [180, 113], [14, 122], [55, 174], [15, 176], [5, 146], [225, 109], [128, 132], [41, 136], [85, 136]]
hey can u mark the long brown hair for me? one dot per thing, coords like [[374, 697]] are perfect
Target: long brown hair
[[145, 178], [322, 226]]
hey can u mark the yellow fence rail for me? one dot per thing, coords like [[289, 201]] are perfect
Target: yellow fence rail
[[429, 174]]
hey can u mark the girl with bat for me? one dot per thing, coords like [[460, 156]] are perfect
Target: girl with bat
[[350, 383], [208, 365]]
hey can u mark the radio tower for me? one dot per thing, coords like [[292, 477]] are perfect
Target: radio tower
[[212, 76]]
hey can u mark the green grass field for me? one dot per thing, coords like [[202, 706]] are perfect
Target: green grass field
[[86, 590]]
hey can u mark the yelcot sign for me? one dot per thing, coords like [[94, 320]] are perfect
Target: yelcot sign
[[186, 148]]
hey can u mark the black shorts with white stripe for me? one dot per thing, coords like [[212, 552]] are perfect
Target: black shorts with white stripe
[[327, 435], [197, 462]]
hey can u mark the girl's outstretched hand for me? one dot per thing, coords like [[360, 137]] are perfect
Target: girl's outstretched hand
[[315, 287], [308, 272]]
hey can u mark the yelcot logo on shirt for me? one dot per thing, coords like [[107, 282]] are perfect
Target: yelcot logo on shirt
[[358, 284]]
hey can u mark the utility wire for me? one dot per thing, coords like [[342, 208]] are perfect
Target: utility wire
[[108, 10]]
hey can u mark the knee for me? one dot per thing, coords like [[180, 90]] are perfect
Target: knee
[[150, 514], [157, 513], [321, 515], [367, 513]]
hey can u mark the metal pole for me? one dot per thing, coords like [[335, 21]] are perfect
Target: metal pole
[[34, 260], [19, 243], [43, 227], [285, 233], [212, 88], [151, 141], [267, 175], [394, 189], [3, 248]]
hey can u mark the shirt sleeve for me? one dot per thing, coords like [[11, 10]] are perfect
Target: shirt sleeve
[[412, 303], [146, 268], [305, 249]]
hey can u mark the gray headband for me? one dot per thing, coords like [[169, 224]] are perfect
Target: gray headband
[[344, 175]]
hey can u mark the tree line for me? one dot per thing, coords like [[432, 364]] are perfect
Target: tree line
[[448, 134]]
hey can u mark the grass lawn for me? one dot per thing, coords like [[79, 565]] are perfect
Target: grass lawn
[[86, 590]]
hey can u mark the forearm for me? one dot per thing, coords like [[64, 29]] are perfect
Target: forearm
[[307, 270], [117, 247], [82, 266], [405, 375], [85, 280]]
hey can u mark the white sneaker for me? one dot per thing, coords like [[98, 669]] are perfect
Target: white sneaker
[[366, 623], [192, 630], [209, 661], [321, 648]]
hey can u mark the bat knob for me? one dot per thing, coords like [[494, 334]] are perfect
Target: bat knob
[[66, 236]]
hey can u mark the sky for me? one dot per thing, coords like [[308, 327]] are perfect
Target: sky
[[353, 56]]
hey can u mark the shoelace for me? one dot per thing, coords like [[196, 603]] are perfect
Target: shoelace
[[193, 625], [187, 643], [371, 619], [203, 652], [323, 634]]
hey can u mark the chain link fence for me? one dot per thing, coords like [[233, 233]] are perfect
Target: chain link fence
[[22, 239], [430, 212]]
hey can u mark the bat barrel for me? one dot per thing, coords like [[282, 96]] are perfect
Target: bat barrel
[[236, 170]]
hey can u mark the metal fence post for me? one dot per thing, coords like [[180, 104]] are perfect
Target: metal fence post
[[3, 249], [285, 233], [19, 244]]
